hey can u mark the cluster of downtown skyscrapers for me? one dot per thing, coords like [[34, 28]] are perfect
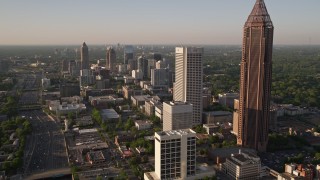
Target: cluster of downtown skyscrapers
[[185, 111]]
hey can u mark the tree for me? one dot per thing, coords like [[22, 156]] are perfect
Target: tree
[[122, 175], [214, 139], [199, 129], [128, 124]]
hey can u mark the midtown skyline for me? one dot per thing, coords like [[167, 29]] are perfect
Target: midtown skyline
[[142, 22]]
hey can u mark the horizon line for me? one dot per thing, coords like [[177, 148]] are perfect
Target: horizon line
[[160, 44]]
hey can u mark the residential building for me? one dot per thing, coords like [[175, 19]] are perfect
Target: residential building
[[255, 79], [188, 80], [177, 115]]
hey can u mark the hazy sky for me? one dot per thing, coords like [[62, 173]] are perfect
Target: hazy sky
[[151, 21]]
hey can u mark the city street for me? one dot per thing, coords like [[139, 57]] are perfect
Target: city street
[[45, 147]]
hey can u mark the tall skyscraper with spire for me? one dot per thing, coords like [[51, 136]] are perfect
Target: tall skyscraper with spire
[[255, 79], [84, 56], [111, 59]]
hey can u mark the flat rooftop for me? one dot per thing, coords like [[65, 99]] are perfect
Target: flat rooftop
[[109, 113], [175, 132], [218, 113]]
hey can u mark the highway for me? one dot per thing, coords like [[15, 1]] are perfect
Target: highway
[[45, 149]]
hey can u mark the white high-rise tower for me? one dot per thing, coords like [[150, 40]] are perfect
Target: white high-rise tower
[[188, 81]]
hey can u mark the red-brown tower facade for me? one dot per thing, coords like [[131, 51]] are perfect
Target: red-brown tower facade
[[255, 79]]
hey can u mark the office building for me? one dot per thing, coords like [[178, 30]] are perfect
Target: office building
[[255, 79], [111, 59], [160, 64], [64, 66], [160, 77], [132, 65], [45, 83], [214, 117], [175, 154], [84, 52], [188, 79], [151, 65], [243, 166], [74, 68], [177, 115], [143, 66], [175, 157], [128, 53], [236, 117], [227, 99], [69, 90]]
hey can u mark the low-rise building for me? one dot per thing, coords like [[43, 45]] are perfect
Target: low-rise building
[[98, 92], [214, 117], [84, 121], [158, 110], [211, 128], [243, 166], [140, 100], [150, 106], [296, 171], [128, 92], [104, 101], [109, 115], [122, 138], [142, 125], [95, 157], [64, 108], [227, 99]]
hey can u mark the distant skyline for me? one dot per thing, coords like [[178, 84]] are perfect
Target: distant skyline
[[66, 22]]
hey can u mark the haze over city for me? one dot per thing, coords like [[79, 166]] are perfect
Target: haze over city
[[157, 90], [60, 22]]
